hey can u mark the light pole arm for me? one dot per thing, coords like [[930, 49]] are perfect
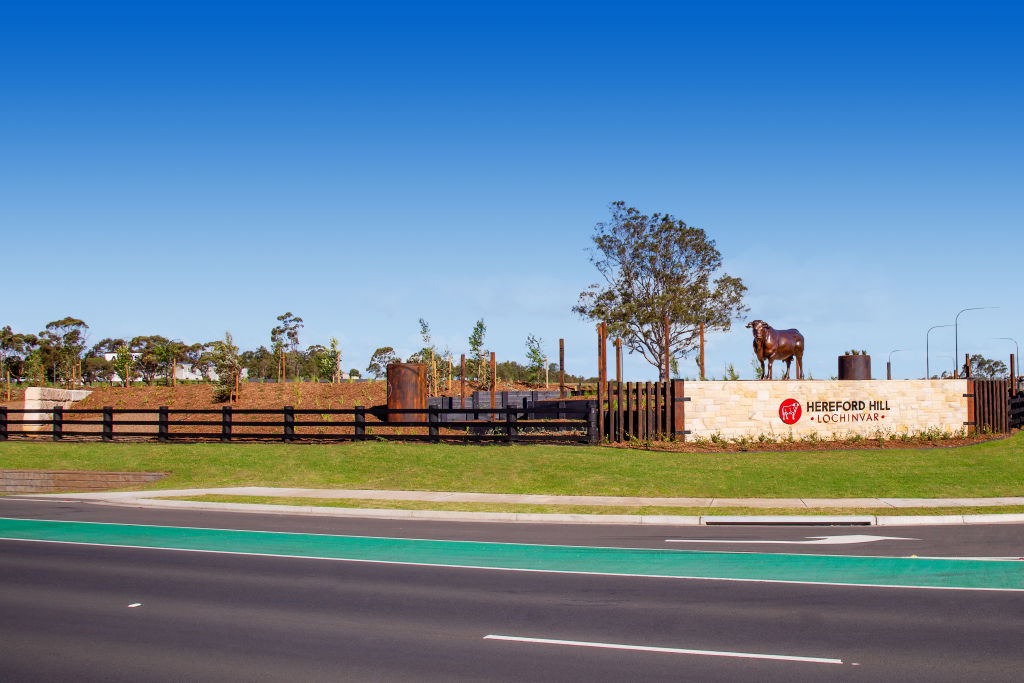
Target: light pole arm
[[956, 333]]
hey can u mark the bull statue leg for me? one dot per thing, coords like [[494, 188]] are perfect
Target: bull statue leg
[[799, 364], [789, 362], [770, 363]]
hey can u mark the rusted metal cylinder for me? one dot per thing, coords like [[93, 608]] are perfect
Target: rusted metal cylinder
[[407, 388], [854, 367]]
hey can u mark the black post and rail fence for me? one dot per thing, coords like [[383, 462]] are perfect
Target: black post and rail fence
[[574, 422], [628, 411], [650, 411]]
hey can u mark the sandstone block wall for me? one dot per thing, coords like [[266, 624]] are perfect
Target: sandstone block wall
[[44, 399], [866, 407], [49, 481]]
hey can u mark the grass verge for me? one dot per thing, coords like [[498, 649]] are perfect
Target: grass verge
[[994, 468], [591, 509]]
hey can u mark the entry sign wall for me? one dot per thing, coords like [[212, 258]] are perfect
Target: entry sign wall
[[825, 407]]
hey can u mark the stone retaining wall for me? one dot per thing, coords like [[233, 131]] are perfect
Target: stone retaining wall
[[50, 481], [824, 408]]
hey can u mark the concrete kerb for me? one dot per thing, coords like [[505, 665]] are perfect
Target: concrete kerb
[[157, 498]]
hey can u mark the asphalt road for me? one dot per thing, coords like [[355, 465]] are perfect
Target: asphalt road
[[974, 540], [65, 610]]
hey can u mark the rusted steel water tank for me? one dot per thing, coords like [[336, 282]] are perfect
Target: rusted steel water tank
[[407, 388], [854, 367]]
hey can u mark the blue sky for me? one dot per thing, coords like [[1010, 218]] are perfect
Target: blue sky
[[185, 169]]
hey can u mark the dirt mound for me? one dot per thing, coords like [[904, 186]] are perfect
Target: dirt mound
[[307, 395]]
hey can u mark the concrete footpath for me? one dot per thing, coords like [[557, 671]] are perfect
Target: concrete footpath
[[157, 498]]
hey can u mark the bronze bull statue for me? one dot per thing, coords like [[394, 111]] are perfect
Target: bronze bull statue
[[772, 345]]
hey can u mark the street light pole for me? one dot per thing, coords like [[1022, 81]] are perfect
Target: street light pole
[[888, 365], [927, 368], [956, 335], [1013, 371]]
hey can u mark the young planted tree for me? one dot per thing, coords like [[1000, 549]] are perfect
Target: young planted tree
[[477, 351], [429, 356], [285, 336], [228, 366], [656, 266], [335, 358], [326, 362], [124, 364], [535, 359]]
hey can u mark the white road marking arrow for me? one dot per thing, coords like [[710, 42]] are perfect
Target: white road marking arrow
[[811, 540]]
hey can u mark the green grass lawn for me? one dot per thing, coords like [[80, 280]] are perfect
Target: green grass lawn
[[994, 468]]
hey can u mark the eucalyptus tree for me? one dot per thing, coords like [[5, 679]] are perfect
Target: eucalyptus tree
[[657, 266]]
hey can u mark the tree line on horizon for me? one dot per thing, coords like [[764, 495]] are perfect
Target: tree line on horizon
[[60, 354]]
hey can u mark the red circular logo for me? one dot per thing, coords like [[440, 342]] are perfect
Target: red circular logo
[[790, 411]]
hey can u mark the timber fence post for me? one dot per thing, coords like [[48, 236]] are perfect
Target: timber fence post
[[289, 423], [432, 419], [58, 423], [511, 416], [108, 423], [225, 423], [360, 430], [593, 434], [162, 429]]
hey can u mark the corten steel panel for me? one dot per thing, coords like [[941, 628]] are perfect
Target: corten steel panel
[[678, 409], [854, 367], [972, 411], [407, 389]]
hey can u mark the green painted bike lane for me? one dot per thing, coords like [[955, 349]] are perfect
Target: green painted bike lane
[[828, 569]]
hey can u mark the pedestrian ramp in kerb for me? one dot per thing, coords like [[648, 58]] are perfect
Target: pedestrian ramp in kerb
[[923, 573]]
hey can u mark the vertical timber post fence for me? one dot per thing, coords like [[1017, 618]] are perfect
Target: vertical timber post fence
[[601, 388], [494, 382], [678, 409], [593, 434]]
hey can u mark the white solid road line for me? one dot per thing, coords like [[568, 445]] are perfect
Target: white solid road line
[[669, 650], [812, 540]]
